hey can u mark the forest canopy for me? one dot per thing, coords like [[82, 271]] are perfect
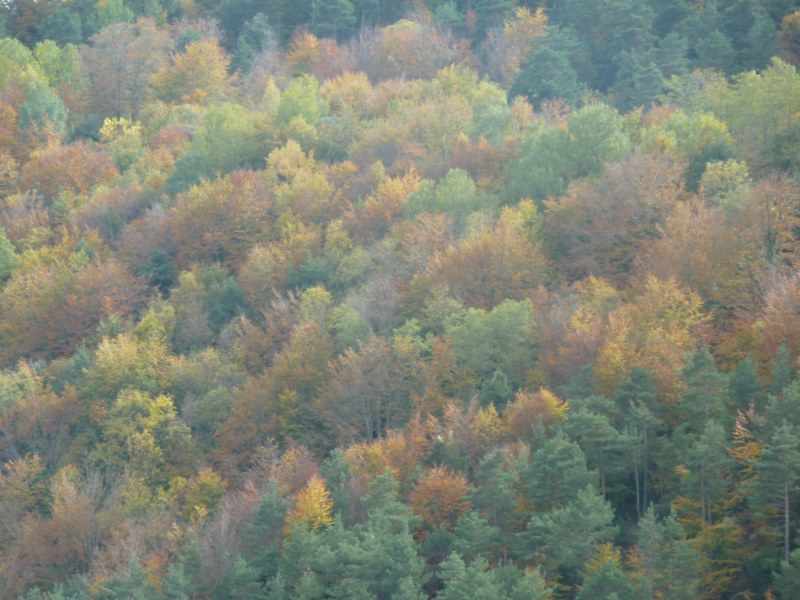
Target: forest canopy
[[398, 300]]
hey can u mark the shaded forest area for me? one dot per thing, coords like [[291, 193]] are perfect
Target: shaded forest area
[[399, 300]]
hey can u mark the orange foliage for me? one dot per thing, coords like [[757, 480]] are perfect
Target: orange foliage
[[528, 408], [490, 266], [48, 310], [25, 216], [704, 250], [790, 37], [408, 50], [438, 497], [400, 452], [381, 208], [322, 58], [599, 227], [75, 168], [278, 403], [778, 320], [654, 331], [221, 220], [49, 548]]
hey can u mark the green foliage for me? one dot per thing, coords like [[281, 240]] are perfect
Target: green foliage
[[500, 339], [456, 195], [569, 535], [558, 474], [665, 562], [288, 280], [551, 157], [43, 109], [301, 99]]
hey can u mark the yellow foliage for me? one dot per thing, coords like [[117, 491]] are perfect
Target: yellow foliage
[[519, 33], [611, 368], [204, 494], [198, 75], [487, 426], [313, 507], [605, 554]]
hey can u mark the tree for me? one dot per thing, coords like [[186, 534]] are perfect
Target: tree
[[43, 113], [220, 221], [550, 157], [637, 399], [607, 580], [462, 581], [600, 226], [367, 392], [439, 497], [710, 464], [301, 99], [494, 495], [198, 75], [705, 395], [312, 507], [73, 169], [8, 257], [484, 342], [473, 536], [133, 584], [788, 578], [548, 75], [558, 474], [333, 18], [597, 437], [757, 109], [48, 309], [120, 63], [263, 534], [664, 563], [489, 266], [566, 537], [744, 386], [777, 480]]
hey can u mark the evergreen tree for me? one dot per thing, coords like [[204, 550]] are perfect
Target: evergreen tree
[[262, 536], [239, 581], [637, 400], [558, 474], [665, 564], [473, 536], [462, 581], [494, 496], [601, 443], [706, 388], [568, 536], [744, 386], [782, 370], [333, 19], [709, 462], [787, 580], [608, 581], [777, 481]]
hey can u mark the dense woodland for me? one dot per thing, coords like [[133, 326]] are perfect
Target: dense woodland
[[372, 299]]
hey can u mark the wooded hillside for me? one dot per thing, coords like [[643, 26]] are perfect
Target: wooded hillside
[[392, 300]]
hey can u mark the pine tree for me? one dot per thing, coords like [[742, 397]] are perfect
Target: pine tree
[[568, 536], [665, 564], [263, 534], [777, 481], [558, 474], [782, 370]]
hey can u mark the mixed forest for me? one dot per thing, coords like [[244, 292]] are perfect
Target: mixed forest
[[395, 300]]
